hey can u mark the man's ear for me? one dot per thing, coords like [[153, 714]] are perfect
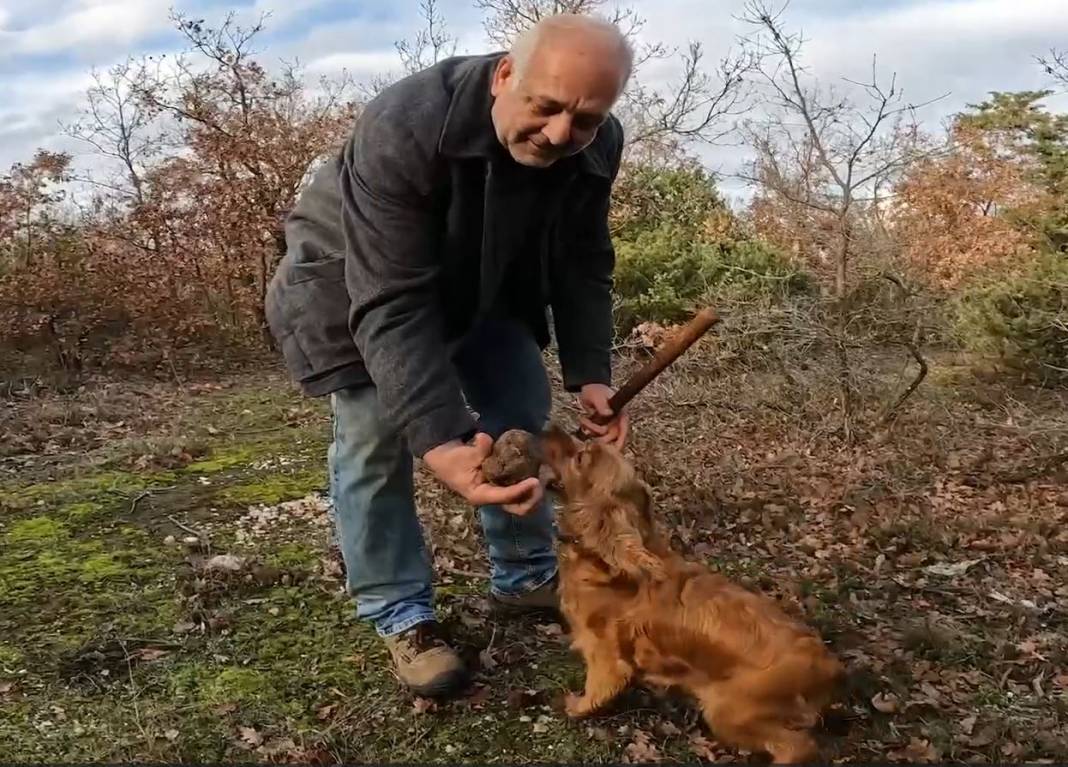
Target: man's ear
[[502, 74]]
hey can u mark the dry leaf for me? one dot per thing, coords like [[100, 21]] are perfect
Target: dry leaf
[[984, 737], [171, 735], [953, 570], [250, 736], [485, 657], [6, 687], [325, 712], [667, 728], [424, 705], [703, 748], [642, 750], [225, 708], [967, 725], [917, 751], [151, 654]]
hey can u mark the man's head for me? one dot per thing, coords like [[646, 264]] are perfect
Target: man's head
[[557, 85]]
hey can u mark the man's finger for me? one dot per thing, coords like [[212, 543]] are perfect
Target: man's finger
[[593, 428], [493, 495], [521, 509], [484, 444]]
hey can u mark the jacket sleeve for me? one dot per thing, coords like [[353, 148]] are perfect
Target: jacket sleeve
[[391, 271], [581, 296]]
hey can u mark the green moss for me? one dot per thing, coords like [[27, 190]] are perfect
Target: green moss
[[229, 457], [293, 556], [81, 511], [275, 489], [36, 530], [213, 687], [9, 656], [101, 566], [79, 489]]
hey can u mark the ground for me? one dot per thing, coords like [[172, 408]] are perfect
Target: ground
[[168, 591]]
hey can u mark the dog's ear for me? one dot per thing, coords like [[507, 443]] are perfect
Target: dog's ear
[[623, 548]]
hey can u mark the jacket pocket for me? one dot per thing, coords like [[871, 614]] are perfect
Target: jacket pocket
[[316, 306]]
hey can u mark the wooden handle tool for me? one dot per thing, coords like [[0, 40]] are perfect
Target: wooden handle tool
[[682, 340]]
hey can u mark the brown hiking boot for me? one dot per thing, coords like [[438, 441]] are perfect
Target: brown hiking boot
[[425, 662], [543, 600]]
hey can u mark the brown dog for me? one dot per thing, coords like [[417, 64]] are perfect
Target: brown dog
[[639, 610]]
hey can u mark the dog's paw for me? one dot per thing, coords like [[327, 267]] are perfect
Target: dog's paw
[[575, 706]]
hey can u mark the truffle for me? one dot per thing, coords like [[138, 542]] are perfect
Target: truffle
[[516, 456]]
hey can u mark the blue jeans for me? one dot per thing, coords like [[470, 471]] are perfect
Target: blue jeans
[[388, 567]]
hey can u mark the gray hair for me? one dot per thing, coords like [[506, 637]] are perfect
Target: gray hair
[[527, 42]]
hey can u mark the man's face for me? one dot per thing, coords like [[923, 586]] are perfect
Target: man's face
[[563, 97]]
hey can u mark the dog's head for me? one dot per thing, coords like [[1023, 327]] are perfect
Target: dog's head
[[606, 505]]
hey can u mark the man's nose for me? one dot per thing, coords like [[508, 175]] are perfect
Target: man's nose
[[558, 129]]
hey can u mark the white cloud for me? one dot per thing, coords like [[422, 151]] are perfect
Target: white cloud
[[87, 28], [968, 47]]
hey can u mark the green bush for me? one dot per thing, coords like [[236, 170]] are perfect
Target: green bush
[[661, 274], [1023, 319]]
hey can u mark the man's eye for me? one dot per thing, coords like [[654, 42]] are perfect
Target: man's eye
[[545, 110], [587, 122]]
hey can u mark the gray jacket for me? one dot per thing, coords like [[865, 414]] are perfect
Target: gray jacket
[[421, 227]]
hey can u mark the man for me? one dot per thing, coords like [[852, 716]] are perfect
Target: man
[[419, 265]]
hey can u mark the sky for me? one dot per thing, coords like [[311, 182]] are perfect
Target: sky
[[963, 48]]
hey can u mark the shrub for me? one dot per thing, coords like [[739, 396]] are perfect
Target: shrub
[[662, 273], [1022, 318]]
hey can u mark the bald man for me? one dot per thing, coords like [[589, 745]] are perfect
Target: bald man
[[420, 263]]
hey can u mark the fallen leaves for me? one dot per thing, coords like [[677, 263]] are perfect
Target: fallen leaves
[[642, 750], [424, 706], [250, 737], [918, 751]]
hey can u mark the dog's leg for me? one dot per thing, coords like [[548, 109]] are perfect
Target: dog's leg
[[607, 675]]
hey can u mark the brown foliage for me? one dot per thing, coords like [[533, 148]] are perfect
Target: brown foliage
[[180, 249], [948, 212]]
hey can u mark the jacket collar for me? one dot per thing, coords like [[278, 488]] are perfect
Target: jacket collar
[[468, 130]]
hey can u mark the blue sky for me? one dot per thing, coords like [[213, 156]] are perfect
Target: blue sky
[[964, 47]]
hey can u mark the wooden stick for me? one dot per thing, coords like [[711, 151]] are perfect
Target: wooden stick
[[686, 337]]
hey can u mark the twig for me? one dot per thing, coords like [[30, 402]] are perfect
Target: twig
[[202, 536], [915, 381], [463, 573], [138, 499]]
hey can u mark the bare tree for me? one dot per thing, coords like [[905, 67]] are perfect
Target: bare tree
[[118, 125], [430, 44], [1056, 65], [823, 161], [819, 150]]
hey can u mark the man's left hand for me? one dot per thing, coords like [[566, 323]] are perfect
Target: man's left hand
[[594, 401]]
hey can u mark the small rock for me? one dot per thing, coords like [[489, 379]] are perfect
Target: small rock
[[227, 562], [170, 540]]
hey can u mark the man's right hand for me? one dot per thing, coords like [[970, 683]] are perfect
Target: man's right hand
[[459, 466]]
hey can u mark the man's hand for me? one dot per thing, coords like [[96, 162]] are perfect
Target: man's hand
[[459, 466], [594, 400]]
